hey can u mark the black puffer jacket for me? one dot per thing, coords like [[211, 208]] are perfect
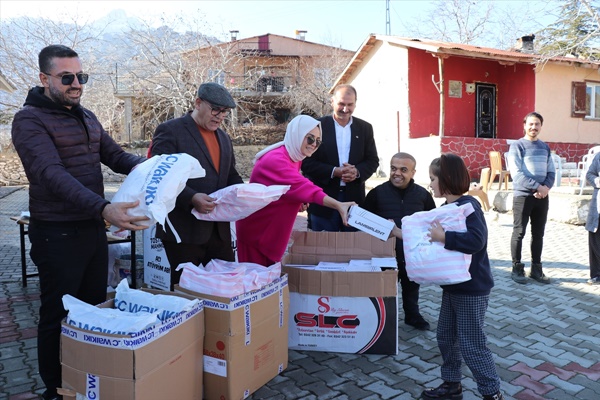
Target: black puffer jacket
[[61, 151], [389, 202]]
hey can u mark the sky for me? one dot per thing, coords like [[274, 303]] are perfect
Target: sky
[[338, 23]]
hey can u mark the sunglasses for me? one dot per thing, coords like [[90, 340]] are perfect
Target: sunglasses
[[310, 139], [67, 79], [214, 110]]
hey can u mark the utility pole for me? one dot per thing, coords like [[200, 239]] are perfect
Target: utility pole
[[388, 27]]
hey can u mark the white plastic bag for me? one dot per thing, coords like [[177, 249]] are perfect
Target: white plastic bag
[[106, 320], [236, 202], [156, 183], [429, 262], [164, 306], [115, 251]]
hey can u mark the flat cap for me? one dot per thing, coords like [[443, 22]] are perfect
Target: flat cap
[[216, 95]]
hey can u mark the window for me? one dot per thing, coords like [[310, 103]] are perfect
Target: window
[[585, 100], [323, 76], [217, 76]]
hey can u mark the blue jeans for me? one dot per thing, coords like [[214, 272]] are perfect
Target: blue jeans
[[527, 209]]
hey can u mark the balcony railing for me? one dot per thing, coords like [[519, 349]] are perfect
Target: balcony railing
[[263, 84]]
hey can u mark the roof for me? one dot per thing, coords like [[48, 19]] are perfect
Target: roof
[[5, 84], [454, 49], [255, 39]]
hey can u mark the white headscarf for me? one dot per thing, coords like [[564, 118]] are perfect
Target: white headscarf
[[295, 132]]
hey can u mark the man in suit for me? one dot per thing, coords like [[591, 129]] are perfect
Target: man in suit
[[198, 134], [346, 158]]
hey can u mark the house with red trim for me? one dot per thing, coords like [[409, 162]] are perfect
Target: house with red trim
[[427, 97]]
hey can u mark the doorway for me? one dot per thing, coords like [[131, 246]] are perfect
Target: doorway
[[485, 117]]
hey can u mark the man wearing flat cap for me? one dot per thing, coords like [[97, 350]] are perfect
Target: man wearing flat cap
[[198, 134]]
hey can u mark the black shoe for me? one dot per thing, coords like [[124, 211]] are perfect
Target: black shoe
[[417, 322], [537, 274], [518, 273], [446, 391], [497, 396]]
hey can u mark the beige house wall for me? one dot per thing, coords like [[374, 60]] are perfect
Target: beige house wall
[[553, 101]]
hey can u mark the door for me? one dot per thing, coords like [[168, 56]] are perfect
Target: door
[[485, 118]]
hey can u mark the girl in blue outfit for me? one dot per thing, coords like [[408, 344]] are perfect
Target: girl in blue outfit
[[460, 331]]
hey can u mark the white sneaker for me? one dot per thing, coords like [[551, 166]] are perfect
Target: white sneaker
[[594, 281]]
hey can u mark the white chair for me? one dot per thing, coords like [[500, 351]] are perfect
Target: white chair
[[557, 168], [584, 164]]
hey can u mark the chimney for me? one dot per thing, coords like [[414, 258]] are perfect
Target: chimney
[[234, 35], [300, 35], [525, 44]]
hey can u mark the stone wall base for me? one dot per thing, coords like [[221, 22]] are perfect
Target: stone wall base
[[565, 208]]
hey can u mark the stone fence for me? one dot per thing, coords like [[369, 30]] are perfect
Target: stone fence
[[565, 206], [13, 174]]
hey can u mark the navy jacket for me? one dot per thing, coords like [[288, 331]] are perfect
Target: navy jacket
[[389, 202], [473, 242]]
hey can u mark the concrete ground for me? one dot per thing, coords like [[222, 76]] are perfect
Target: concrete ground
[[545, 337]]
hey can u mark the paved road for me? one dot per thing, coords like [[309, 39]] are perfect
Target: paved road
[[545, 337]]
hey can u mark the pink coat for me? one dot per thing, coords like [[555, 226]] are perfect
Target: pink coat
[[269, 229]]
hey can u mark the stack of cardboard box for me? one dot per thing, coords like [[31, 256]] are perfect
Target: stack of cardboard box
[[341, 311], [246, 340], [163, 362]]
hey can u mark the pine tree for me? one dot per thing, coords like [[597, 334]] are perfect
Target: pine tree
[[576, 32]]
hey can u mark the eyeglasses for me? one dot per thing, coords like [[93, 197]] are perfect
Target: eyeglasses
[[310, 139], [68, 79], [214, 110]]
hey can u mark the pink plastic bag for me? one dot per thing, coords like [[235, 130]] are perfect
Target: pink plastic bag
[[429, 262], [255, 275], [236, 202], [224, 284]]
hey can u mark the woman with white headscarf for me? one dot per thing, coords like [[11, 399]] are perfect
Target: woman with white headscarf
[[263, 236]]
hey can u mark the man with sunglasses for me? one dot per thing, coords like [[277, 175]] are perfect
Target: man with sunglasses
[[197, 133], [61, 145], [343, 163]]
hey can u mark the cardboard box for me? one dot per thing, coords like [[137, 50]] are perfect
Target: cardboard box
[[163, 362], [370, 223], [336, 311], [246, 340]]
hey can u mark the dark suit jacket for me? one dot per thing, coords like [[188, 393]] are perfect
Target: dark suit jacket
[[363, 155], [181, 135]]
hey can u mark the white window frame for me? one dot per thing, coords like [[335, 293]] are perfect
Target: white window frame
[[592, 89]]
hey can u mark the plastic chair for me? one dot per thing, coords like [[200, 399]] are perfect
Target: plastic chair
[[585, 162], [558, 169], [480, 190], [497, 170]]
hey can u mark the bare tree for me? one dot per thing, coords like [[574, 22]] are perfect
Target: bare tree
[[493, 24], [459, 21], [317, 77], [21, 41]]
